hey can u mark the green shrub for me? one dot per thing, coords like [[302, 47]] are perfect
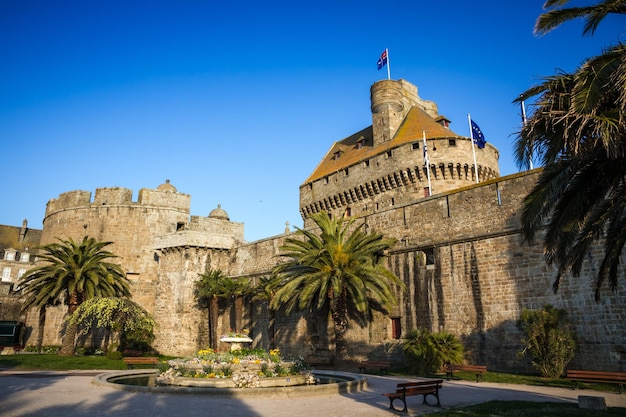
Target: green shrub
[[42, 349], [113, 352], [427, 352], [547, 339]]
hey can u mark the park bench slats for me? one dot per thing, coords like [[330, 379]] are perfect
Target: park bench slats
[[478, 370], [382, 366], [406, 389], [601, 377], [148, 360]]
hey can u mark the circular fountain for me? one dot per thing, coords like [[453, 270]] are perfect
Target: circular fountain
[[144, 380], [246, 372]]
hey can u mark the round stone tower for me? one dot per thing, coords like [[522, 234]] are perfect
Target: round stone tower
[[112, 216], [408, 153]]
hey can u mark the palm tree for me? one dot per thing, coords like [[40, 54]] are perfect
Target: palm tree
[[209, 289], [73, 272], [336, 269], [578, 131], [592, 14]]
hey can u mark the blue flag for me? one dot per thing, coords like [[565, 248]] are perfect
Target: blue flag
[[477, 135], [382, 61]]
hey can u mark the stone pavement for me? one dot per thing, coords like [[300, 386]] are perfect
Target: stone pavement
[[69, 394]]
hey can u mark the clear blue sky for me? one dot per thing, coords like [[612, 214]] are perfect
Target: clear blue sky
[[236, 102]]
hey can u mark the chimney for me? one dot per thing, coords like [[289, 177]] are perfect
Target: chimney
[[23, 230]]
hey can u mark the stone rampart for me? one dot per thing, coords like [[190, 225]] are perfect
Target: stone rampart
[[460, 253], [468, 271]]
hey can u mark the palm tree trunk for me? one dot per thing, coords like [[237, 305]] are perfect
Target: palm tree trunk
[[339, 313], [69, 340], [213, 312], [238, 313], [42, 325], [272, 329], [68, 344]]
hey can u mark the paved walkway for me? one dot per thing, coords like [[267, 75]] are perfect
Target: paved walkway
[[69, 394]]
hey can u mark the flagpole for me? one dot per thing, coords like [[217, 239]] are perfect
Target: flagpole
[[427, 163], [530, 157], [388, 64], [469, 120]]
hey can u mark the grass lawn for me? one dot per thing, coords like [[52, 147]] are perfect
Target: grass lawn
[[53, 362], [527, 409]]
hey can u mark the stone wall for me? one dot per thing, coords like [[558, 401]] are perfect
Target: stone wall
[[468, 271], [460, 253]]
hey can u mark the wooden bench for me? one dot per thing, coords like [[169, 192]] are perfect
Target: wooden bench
[[478, 370], [314, 361], [132, 361], [406, 389], [600, 377], [382, 366]]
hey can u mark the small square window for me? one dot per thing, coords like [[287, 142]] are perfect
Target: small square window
[[9, 256], [416, 146], [366, 163], [451, 142], [24, 257]]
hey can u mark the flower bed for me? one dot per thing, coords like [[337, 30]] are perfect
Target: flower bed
[[241, 368]]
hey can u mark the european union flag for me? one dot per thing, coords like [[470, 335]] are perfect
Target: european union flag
[[382, 61], [477, 135]]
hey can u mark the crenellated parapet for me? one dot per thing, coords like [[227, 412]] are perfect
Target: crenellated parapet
[[68, 199], [160, 198], [119, 196]]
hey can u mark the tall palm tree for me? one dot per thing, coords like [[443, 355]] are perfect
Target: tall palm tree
[[336, 269], [578, 130], [71, 273], [208, 290]]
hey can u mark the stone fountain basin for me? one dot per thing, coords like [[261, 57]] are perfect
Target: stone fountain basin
[[350, 383]]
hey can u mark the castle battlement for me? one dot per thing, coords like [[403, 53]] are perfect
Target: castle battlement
[[165, 196], [76, 198], [113, 196], [160, 198]]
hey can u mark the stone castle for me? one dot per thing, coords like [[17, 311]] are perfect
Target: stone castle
[[459, 251]]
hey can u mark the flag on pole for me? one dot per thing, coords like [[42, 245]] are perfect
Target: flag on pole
[[382, 61], [427, 163], [477, 135]]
